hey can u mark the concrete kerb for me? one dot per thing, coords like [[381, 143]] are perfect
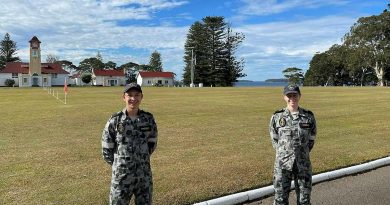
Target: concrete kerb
[[267, 191]]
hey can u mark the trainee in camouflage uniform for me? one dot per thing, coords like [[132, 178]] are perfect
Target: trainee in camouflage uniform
[[293, 130], [128, 140]]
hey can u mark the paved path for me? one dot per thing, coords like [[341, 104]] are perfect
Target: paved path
[[368, 188]]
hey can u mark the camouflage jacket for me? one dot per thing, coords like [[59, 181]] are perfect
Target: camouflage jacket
[[129, 142], [293, 137]]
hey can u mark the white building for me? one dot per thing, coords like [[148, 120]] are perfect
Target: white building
[[76, 79], [145, 78], [34, 73], [108, 77]]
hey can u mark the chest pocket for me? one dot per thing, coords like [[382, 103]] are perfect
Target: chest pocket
[[304, 130]]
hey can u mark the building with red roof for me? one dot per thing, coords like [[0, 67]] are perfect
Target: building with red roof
[[145, 78], [108, 77], [34, 73]]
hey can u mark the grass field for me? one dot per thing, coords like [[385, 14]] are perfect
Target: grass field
[[212, 141]]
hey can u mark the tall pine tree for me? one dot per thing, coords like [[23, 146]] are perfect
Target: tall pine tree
[[213, 44], [7, 51], [155, 62]]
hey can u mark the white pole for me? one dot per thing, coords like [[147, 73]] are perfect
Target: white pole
[[192, 67]]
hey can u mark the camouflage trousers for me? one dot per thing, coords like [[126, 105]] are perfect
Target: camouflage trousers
[[124, 185], [282, 185]]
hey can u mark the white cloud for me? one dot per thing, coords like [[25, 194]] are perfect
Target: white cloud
[[266, 7], [272, 47]]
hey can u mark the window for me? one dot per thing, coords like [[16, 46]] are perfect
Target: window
[[45, 80], [14, 75], [25, 80], [54, 75], [166, 82], [149, 82], [34, 53]]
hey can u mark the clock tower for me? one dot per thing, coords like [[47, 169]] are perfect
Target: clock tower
[[35, 57]]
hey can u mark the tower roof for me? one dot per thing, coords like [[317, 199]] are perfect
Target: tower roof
[[34, 39]]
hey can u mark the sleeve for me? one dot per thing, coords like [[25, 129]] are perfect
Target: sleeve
[[108, 141], [273, 132], [313, 133], [152, 140]]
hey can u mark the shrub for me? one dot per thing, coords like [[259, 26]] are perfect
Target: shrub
[[9, 82], [86, 78]]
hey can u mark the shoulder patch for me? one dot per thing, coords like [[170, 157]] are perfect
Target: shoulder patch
[[279, 111]]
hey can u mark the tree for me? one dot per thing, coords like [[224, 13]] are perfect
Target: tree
[[337, 70], [99, 56], [316, 74], [215, 30], [195, 54], [144, 67], [67, 65], [372, 34], [7, 51], [360, 70], [50, 58], [110, 65], [130, 70], [86, 78], [328, 68], [211, 46], [155, 61], [91, 63], [233, 68], [294, 75]]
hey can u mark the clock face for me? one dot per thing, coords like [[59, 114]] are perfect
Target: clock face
[[35, 44]]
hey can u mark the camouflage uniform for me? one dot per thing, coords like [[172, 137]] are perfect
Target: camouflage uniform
[[292, 137], [127, 146]]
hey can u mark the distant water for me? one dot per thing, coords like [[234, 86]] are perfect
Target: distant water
[[259, 84]]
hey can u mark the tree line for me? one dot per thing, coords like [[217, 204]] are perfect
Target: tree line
[[363, 58]]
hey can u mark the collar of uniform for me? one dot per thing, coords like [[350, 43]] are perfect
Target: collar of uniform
[[125, 112], [300, 110]]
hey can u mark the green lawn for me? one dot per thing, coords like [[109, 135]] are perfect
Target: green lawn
[[212, 141]]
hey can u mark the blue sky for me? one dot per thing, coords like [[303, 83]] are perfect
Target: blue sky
[[279, 34]]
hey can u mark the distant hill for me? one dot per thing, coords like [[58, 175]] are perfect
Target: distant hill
[[281, 80], [244, 80]]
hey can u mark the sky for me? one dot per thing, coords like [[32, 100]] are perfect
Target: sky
[[278, 33]]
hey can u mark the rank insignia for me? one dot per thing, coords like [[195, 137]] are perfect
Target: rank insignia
[[282, 122], [121, 128]]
